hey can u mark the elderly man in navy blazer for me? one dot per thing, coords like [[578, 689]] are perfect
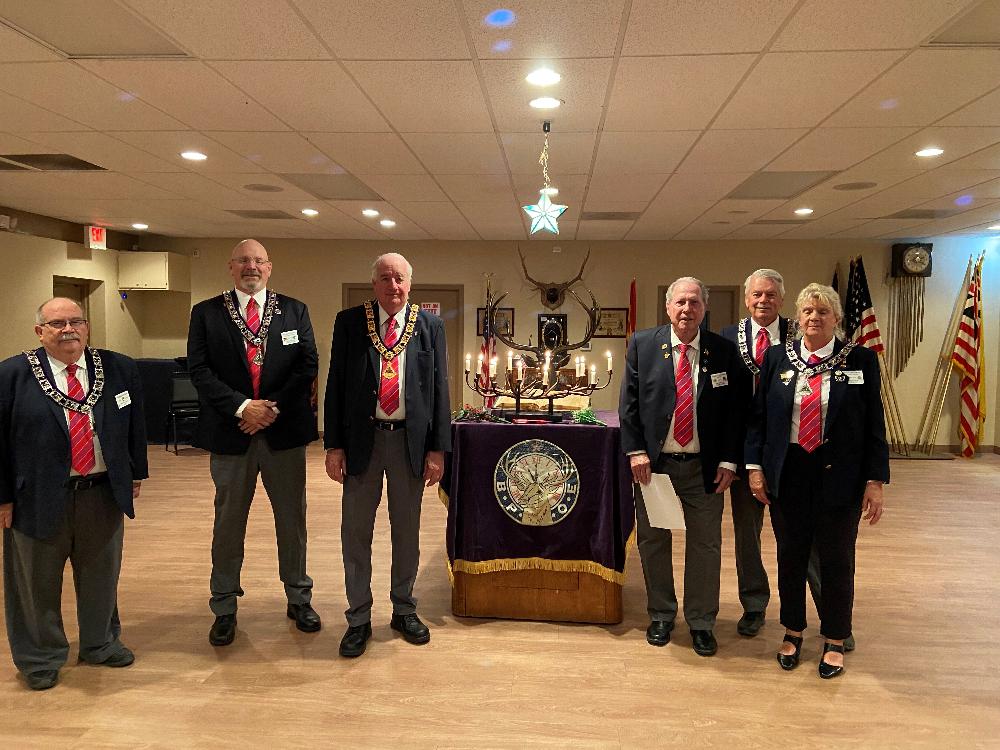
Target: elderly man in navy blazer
[[72, 456], [681, 410]]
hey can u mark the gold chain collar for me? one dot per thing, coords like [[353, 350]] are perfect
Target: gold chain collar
[[84, 407], [835, 361], [743, 345], [254, 339], [397, 349]]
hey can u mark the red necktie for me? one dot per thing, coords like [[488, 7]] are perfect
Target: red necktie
[[684, 408], [81, 436], [253, 323], [811, 412], [760, 349], [388, 389]]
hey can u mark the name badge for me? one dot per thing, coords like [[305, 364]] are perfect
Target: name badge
[[289, 337], [855, 377], [123, 399], [720, 379]]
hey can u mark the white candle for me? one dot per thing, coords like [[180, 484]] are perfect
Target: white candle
[[609, 361], [548, 357], [545, 374], [593, 374], [510, 360], [493, 367], [468, 362], [583, 365], [520, 368], [479, 364]]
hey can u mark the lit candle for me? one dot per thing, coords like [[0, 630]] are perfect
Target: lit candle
[[520, 368], [468, 362], [583, 366], [593, 374], [548, 357], [479, 363], [493, 367], [609, 361], [545, 374], [510, 360]]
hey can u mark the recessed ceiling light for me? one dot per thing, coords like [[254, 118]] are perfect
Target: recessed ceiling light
[[140, 225], [994, 228], [310, 212], [543, 77], [387, 223], [549, 191], [545, 102], [193, 155], [803, 211], [930, 151], [369, 212]]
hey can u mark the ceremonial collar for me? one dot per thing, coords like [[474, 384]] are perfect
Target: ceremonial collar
[[254, 339], [829, 363], [744, 346], [373, 330], [96, 388]]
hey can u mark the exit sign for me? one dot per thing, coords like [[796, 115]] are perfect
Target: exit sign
[[95, 238]]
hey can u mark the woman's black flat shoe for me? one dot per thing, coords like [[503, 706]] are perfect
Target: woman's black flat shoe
[[829, 671], [791, 661]]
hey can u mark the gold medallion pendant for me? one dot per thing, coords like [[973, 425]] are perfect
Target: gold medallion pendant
[[388, 372]]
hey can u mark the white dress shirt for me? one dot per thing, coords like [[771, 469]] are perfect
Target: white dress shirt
[[383, 321], [60, 378], [773, 333], [242, 300]]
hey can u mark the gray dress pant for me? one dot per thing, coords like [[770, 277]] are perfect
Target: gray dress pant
[[284, 476], [362, 495], [702, 549], [748, 520], [90, 537]]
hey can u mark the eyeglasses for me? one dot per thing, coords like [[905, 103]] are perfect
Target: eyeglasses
[[244, 261], [58, 325]]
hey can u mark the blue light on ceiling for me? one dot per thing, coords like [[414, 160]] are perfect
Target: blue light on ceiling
[[503, 45], [964, 200], [500, 18]]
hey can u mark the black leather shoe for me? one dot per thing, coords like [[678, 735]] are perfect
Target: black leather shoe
[[412, 629], [43, 680], [789, 662], [829, 671], [355, 640], [849, 644], [704, 642], [119, 659], [750, 624], [306, 618], [223, 631], [658, 632]]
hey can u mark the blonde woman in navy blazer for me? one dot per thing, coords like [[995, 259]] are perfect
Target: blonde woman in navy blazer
[[818, 487]]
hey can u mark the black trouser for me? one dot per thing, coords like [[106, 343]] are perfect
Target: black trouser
[[801, 519]]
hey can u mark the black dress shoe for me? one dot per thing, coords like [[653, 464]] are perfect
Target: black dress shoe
[[829, 671], [223, 630], [791, 661], [119, 659], [412, 629], [355, 640], [750, 624], [43, 680], [306, 618], [704, 642], [658, 632]]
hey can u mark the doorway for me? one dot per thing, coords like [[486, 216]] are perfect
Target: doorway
[[723, 307]]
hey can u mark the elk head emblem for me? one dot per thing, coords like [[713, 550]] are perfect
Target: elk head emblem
[[553, 292]]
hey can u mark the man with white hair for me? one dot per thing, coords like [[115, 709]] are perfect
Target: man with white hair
[[386, 414]]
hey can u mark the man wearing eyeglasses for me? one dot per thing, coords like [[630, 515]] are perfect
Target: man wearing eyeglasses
[[72, 456], [252, 357]]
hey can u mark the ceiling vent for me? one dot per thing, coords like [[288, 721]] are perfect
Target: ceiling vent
[[980, 27], [610, 215], [775, 222], [923, 213], [775, 185], [260, 214], [51, 162]]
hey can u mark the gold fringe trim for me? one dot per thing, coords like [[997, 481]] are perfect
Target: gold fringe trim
[[537, 563]]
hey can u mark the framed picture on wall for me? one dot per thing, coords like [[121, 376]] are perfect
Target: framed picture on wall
[[613, 323], [504, 320], [552, 329]]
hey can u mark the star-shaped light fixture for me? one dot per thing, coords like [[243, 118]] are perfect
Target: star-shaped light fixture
[[545, 215]]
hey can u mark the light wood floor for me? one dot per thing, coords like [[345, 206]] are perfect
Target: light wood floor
[[925, 673]]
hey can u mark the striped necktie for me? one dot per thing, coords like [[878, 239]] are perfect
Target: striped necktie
[[684, 408], [388, 389], [253, 323], [81, 436], [811, 412]]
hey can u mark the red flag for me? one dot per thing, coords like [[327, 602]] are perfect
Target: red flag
[[968, 360], [630, 323]]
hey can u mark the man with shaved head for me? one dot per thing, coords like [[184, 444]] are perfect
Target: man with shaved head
[[386, 415], [252, 357], [72, 457]]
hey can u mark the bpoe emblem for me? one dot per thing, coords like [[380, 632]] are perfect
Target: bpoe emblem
[[536, 483]]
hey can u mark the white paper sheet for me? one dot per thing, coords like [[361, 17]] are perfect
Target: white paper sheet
[[662, 504]]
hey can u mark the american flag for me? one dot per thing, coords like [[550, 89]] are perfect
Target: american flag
[[487, 351], [860, 322], [630, 323], [968, 360]]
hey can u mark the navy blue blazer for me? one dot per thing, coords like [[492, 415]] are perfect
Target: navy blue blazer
[[854, 445], [34, 440], [352, 391], [648, 396]]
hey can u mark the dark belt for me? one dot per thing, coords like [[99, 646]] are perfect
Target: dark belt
[[382, 424], [76, 484], [681, 456]]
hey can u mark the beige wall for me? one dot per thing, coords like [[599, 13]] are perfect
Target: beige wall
[[315, 270]]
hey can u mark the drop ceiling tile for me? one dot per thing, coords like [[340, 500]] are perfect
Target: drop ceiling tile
[[168, 145], [924, 87], [820, 228], [241, 184], [279, 152], [880, 227], [18, 116], [568, 152], [614, 207], [858, 24], [603, 230], [672, 93], [669, 218], [442, 96], [679, 27], [202, 189], [103, 150], [234, 29], [442, 221], [397, 188], [330, 220], [571, 187], [15, 47], [553, 29], [633, 188], [494, 221], [695, 186], [26, 143], [582, 89], [388, 29], [368, 153], [642, 152], [458, 153], [738, 150], [824, 199], [71, 91], [340, 107], [837, 148], [987, 158], [190, 91], [956, 142], [799, 89], [983, 111], [977, 220], [477, 187], [757, 232]]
